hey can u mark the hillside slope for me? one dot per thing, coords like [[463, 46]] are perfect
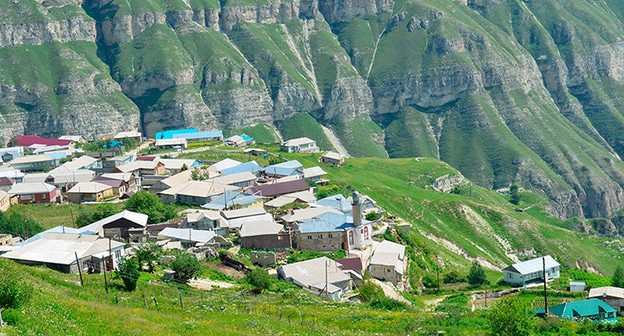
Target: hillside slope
[[513, 91]]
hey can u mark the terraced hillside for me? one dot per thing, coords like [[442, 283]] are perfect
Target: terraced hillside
[[505, 91]]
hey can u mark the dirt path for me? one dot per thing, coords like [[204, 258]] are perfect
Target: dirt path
[[391, 292], [335, 142], [207, 284]]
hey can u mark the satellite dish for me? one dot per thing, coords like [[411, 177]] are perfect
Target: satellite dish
[[604, 295]]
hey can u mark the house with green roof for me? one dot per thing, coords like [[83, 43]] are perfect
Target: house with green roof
[[590, 309]]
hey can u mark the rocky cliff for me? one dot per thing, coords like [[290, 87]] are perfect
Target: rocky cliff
[[506, 91]]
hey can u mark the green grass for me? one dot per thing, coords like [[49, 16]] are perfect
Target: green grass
[[262, 133], [304, 125], [361, 137]]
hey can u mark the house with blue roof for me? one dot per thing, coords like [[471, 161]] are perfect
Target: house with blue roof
[[338, 202], [214, 135], [591, 309], [170, 133], [251, 166], [288, 168], [234, 199]]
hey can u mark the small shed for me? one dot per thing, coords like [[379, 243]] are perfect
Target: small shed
[[577, 286]]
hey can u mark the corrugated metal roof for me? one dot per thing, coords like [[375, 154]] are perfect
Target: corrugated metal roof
[[327, 222], [599, 292], [533, 265], [581, 308], [31, 188], [298, 142], [223, 164], [187, 235], [170, 133], [88, 188], [338, 202], [276, 189], [313, 272], [250, 166], [135, 217], [199, 135], [253, 229]]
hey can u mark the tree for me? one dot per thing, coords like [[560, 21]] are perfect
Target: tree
[[148, 254], [476, 275], [372, 216], [18, 225], [258, 278], [129, 273], [186, 267], [151, 205], [510, 316], [184, 167], [618, 277], [102, 211], [515, 194]]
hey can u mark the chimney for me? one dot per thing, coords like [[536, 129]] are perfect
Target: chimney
[[356, 209]]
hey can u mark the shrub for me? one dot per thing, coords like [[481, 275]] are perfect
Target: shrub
[[129, 273], [148, 254], [510, 316], [618, 277], [258, 278], [453, 276], [186, 267], [372, 216], [151, 205]]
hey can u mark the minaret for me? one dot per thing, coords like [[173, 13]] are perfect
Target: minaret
[[356, 209]]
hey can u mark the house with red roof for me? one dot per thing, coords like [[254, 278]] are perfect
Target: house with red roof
[[32, 139]]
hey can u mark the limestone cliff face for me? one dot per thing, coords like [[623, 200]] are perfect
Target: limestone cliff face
[[533, 99]]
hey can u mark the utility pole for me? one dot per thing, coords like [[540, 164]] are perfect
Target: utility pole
[[79, 270], [545, 293], [104, 269], [110, 254]]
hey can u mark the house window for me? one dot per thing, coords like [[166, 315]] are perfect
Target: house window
[[320, 236], [26, 197], [351, 242], [330, 236], [366, 232], [43, 196], [309, 237]]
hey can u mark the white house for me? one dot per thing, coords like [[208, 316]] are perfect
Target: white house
[[299, 145], [388, 262], [321, 276], [522, 273]]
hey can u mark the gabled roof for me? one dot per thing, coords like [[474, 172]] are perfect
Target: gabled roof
[[607, 291], [31, 188], [292, 167], [177, 179], [313, 172], [333, 156], [231, 198], [88, 188], [351, 264], [238, 222], [387, 246], [298, 142], [3, 194], [6, 181], [223, 164], [170, 133], [81, 175], [305, 196], [126, 177], [583, 308], [234, 178], [135, 217], [109, 181], [338, 202], [251, 166], [198, 189], [136, 165], [187, 235], [74, 138], [313, 273], [246, 212], [31, 159], [300, 215], [59, 248], [388, 253], [276, 189], [327, 222], [177, 164], [56, 229], [170, 142], [264, 228], [197, 215], [35, 177], [533, 265], [75, 164], [128, 134], [32, 139]]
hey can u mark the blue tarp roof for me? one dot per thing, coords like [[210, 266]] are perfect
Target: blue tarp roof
[[199, 135], [338, 202], [287, 168], [170, 133], [250, 166], [327, 222]]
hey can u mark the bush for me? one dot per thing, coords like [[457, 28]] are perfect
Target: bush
[[375, 297], [16, 224], [430, 281], [476, 275], [102, 211], [453, 276], [618, 277], [148, 254], [372, 216], [515, 194], [186, 267], [510, 316], [151, 205], [258, 278], [129, 273]]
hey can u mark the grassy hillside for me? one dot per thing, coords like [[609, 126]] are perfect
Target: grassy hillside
[[303, 125]]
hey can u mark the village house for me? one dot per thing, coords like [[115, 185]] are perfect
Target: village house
[[35, 177], [65, 180], [338, 202], [522, 273], [31, 139], [134, 135], [141, 168], [5, 201], [302, 215], [302, 197], [614, 296], [266, 235], [236, 218], [251, 167], [89, 192], [121, 225], [118, 186], [12, 173], [175, 166], [241, 180], [116, 161], [299, 145], [73, 138], [388, 263], [315, 175], [255, 151], [215, 135], [234, 199], [38, 192], [332, 158], [169, 134], [222, 165], [320, 276], [171, 143], [273, 190], [206, 220], [128, 179], [6, 183], [188, 237], [9, 153], [171, 181], [33, 163], [58, 251], [235, 141], [591, 309], [288, 168], [84, 162], [194, 192]]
